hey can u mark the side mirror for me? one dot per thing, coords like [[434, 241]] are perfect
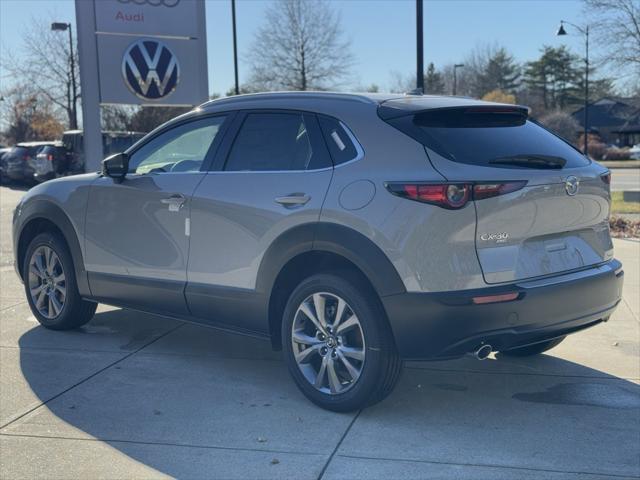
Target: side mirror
[[116, 166]]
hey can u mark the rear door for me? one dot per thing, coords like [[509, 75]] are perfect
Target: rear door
[[272, 174], [542, 207]]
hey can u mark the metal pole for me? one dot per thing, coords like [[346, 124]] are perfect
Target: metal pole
[[420, 47], [455, 80], [90, 85], [235, 46], [74, 88], [586, 92]]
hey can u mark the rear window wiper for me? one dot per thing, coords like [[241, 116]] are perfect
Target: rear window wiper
[[531, 161]]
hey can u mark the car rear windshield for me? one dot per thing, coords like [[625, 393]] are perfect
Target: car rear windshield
[[504, 139], [17, 152]]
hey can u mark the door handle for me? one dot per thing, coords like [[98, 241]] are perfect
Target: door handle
[[293, 200], [175, 202]]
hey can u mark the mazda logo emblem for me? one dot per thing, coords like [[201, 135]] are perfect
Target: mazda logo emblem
[[571, 185], [150, 69]]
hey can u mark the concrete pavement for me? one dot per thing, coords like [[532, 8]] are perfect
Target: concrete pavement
[[135, 395]]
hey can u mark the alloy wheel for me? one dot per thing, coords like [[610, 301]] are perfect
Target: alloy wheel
[[328, 343], [47, 282]]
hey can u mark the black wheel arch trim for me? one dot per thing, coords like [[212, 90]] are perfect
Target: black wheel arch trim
[[49, 211], [333, 238]]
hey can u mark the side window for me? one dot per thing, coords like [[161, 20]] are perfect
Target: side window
[[338, 140], [181, 149], [276, 141]]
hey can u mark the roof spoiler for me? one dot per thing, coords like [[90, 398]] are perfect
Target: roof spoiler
[[387, 112]]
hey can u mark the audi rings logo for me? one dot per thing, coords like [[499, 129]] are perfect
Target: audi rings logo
[[153, 3], [150, 69]]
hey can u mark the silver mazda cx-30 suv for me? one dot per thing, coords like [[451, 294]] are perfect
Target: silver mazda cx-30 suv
[[353, 231]]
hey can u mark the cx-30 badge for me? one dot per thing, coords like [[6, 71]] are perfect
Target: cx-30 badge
[[500, 237], [150, 69], [571, 185]]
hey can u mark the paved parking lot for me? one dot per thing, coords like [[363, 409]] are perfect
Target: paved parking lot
[[625, 179], [135, 395]]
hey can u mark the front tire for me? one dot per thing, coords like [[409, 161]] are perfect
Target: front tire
[[337, 343], [50, 285], [535, 349]]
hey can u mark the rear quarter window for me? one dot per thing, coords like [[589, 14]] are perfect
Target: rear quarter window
[[339, 142]]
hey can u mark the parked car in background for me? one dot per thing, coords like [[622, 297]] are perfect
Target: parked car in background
[[18, 162], [50, 162], [634, 152], [112, 142], [3, 152]]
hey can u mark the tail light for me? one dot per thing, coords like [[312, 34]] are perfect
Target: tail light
[[25, 157], [50, 157], [488, 190], [451, 196], [606, 178], [445, 195]]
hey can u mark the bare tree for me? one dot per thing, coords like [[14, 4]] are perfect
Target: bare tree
[[562, 124], [473, 80], [616, 25], [399, 83], [300, 46], [45, 60], [116, 117], [27, 116]]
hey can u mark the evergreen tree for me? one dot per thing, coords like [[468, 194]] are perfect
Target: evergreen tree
[[556, 78], [433, 81], [501, 73]]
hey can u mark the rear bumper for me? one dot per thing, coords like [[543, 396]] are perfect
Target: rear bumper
[[431, 326], [43, 177], [21, 172]]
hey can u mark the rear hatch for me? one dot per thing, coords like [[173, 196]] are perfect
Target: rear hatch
[[16, 157], [541, 206]]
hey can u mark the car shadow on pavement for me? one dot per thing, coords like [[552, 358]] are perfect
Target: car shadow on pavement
[[197, 402], [16, 186]]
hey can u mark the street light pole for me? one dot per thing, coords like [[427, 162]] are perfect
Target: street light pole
[[419, 47], [585, 31], [455, 77], [59, 27], [74, 88], [586, 90], [235, 47]]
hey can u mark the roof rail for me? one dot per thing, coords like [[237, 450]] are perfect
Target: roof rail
[[287, 95]]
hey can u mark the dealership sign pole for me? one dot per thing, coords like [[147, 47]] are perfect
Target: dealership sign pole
[[138, 52]]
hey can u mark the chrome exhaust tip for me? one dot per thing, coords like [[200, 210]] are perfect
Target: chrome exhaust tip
[[483, 352]]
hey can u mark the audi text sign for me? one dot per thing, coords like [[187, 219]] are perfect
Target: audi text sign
[[176, 18], [150, 52]]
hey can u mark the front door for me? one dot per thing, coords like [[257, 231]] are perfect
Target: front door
[[137, 231]]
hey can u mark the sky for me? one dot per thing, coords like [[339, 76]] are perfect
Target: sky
[[382, 32]]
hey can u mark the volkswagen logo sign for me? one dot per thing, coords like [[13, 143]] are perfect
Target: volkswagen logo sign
[[150, 69], [571, 185]]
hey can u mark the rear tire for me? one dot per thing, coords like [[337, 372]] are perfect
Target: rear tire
[[351, 338], [51, 287], [535, 349]]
